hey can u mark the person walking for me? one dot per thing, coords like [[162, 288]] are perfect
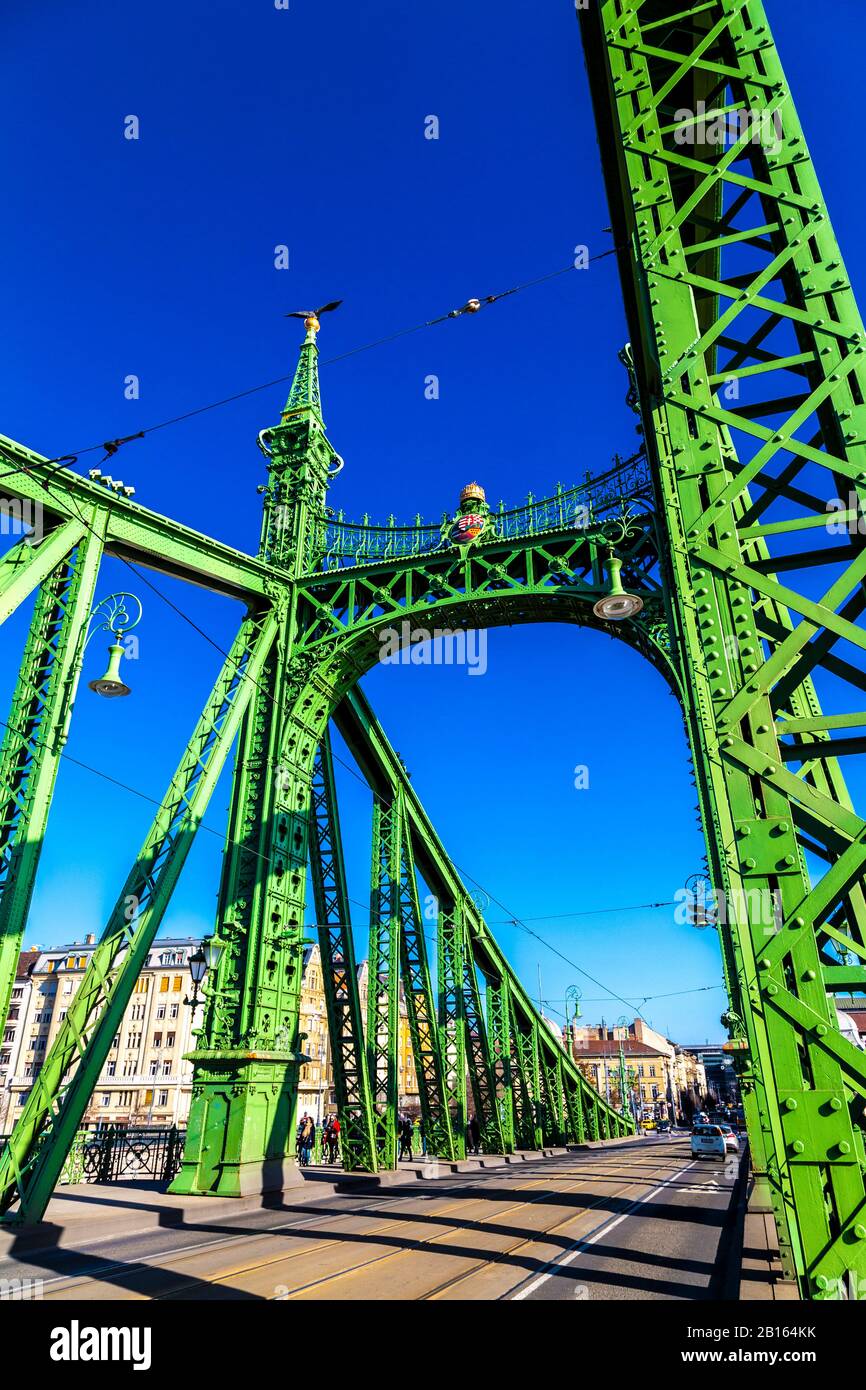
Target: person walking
[[306, 1138], [405, 1137], [474, 1134], [333, 1139]]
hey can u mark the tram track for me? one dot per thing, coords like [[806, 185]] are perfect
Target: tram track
[[182, 1280], [378, 1261]]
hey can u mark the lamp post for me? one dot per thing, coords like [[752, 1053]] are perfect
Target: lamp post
[[204, 958], [572, 996], [622, 1022], [119, 613]]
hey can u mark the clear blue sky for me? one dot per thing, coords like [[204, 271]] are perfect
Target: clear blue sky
[[155, 257]]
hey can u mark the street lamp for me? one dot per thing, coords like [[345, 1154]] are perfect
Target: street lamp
[[572, 996], [616, 603], [204, 958], [119, 613]]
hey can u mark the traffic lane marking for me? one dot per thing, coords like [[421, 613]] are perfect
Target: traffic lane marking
[[586, 1242]]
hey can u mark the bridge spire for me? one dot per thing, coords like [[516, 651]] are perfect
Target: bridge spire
[[305, 397]]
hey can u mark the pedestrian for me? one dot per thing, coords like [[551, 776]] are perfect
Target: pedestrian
[[306, 1138], [422, 1135], [333, 1139], [474, 1134], [405, 1137]]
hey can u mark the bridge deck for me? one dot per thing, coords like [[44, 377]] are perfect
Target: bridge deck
[[634, 1220]]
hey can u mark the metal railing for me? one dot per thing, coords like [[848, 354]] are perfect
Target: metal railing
[[589, 503]]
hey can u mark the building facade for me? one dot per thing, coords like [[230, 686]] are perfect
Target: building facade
[[145, 1080], [660, 1078], [13, 1036]]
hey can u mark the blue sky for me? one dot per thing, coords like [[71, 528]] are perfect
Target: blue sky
[[261, 127]]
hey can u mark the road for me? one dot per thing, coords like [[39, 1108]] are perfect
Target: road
[[641, 1220]]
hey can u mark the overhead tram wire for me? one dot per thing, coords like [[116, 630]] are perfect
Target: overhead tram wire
[[112, 445]]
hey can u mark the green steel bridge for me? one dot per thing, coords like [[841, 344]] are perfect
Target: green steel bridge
[[709, 552]]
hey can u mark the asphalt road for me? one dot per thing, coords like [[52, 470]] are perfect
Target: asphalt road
[[641, 1220]]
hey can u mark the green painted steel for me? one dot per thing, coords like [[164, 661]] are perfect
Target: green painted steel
[[339, 971], [383, 979], [499, 1038], [420, 1005], [450, 944], [749, 364], [34, 736], [33, 1158], [26, 565]]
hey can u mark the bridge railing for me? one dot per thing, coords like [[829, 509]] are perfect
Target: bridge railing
[[587, 504]]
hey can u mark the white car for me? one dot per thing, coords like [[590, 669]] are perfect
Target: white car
[[732, 1143], [708, 1141]]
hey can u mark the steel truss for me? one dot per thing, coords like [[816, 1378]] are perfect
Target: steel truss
[[748, 369]]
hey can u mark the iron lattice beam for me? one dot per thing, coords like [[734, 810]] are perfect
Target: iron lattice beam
[[749, 352], [339, 972], [31, 1162], [34, 736]]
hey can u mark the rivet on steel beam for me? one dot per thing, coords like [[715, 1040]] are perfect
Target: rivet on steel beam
[[791, 1103]]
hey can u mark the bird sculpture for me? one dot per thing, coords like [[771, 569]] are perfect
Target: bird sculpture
[[311, 316]]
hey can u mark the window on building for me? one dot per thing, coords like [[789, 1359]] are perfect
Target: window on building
[[141, 985], [169, 1039], [17, 993], [162, 1098], [173, 1010], [105, 1098], [13, 1013], [157, 1039], [9, 1035], [154, 1068], [111, 1069], [177, 983], [67, 987], [160, 1011], [163, 985]]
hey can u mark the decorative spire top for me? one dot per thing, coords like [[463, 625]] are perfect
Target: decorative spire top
[[305, 395]]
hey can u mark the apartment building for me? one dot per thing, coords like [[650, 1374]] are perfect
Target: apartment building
[[145, 1080]]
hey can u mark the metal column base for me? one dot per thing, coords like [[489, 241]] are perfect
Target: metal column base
[[241, 1135]]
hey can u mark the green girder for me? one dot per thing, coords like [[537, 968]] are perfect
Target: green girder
[[31, 1162], [749, 357], [34, 736], [351, 1079]]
